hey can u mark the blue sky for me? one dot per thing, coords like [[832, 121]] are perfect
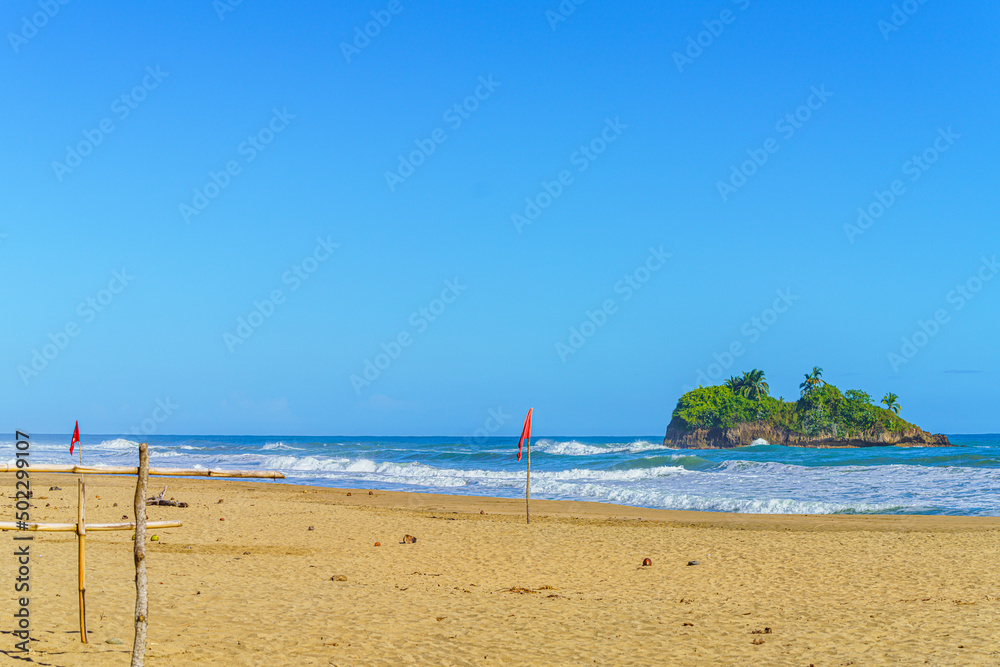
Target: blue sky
[[249, 157]]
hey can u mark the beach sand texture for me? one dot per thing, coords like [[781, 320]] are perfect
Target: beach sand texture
[[484, 589]]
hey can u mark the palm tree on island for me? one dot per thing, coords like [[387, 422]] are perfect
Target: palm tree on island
[[750, 385], [753, 385], [813, 380], [891, 402]]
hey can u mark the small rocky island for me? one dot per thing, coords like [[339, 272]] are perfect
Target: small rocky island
[[741, 412]]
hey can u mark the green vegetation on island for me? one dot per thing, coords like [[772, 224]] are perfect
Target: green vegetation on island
[[742, 409]]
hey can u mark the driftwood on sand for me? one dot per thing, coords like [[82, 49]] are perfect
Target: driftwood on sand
[[160, 500]]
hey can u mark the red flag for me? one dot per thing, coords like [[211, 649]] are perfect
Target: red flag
[[76, 438], [525, 433]]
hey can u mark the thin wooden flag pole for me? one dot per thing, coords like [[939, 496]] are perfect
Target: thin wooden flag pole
[[527, 487], [81, 538]]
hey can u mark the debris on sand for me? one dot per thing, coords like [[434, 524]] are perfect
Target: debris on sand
[[409, 539], [160, 500]]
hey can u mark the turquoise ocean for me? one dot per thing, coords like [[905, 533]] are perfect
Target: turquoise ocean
[[637, 470]]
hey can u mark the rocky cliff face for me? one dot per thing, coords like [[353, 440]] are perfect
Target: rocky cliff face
[[743, 435]]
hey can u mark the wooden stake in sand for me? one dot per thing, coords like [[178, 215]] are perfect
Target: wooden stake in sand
[[141, 585], [526, 435], [81, 538]]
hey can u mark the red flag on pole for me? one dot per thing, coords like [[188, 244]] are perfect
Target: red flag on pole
[[76, 437], [525, 433]]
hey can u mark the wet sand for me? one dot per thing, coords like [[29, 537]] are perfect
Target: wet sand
[[485, 589]]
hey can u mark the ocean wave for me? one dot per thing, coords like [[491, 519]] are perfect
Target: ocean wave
[[666, 499], [576, 448], [686, 461], [758, 467], [421, 473], [118, 444], [269, 446]]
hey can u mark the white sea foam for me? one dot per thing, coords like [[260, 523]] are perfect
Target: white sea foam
[[651, 497], [118, 444], [633, 472], [575, 448], [269, 446]]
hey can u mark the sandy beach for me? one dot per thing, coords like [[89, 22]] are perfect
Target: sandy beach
[[246, 582]]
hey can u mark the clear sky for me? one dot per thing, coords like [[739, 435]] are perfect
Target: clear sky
[[688, 173]]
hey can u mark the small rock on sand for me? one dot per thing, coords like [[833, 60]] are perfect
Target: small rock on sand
[[113, 640], [693, 562], [312, 527], [409, 539], [338, 577]]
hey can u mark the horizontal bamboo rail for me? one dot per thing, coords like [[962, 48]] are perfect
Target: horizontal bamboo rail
[[71, 527], [125, 470]]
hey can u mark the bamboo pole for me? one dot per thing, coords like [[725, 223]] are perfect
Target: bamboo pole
[[71, 527], [141, 586], [81, 538], [527, 487], [125, 470]]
